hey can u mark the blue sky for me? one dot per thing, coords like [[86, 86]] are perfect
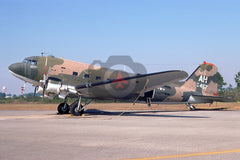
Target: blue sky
[[161, 34]]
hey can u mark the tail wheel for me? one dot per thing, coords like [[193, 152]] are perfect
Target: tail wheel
[[63, 108], [74, 110], [192, 108]]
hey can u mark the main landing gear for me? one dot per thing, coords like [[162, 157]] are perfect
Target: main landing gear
[[76, 108], [63, 108], [191, 107]]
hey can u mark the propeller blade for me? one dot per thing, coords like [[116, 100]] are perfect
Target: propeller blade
[[35, 90], [43, 92], [45, 77]]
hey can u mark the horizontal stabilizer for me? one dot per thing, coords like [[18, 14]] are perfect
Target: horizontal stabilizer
[[208, 99]]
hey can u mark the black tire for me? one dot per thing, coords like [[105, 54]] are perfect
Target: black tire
[[62, 109], [74, 111]]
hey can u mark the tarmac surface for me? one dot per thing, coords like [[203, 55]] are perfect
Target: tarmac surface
[[135, 135]]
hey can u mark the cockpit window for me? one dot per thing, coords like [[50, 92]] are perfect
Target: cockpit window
[[32, 62]]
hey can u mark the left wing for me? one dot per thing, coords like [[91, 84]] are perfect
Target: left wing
[[151, 81]]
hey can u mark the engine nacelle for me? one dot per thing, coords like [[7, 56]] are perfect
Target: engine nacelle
[[54, 88]]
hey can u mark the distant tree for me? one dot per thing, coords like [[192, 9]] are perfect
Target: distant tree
[[9, 95], [237, 80], [2, 95], [221, 83], [230, 87], [28, 96], [230, 91]]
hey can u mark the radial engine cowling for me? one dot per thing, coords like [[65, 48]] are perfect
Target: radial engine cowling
[[55, 87]]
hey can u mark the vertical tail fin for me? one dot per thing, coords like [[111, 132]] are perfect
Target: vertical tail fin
[[203, 80]]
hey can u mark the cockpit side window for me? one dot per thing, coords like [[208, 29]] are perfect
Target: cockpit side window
[[32, 62]]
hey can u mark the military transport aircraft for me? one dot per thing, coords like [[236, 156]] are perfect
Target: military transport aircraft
[[57, 76]]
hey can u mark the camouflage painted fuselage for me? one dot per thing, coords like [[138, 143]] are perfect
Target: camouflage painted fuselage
[[64, 75]]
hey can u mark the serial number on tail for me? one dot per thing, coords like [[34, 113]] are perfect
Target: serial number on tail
[[202, 85], [202, 82]]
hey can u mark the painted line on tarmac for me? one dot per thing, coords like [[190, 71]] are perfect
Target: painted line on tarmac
[[187, 155]]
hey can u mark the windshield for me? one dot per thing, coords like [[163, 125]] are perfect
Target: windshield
[[32, 62]]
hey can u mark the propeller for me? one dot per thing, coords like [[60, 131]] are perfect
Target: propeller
[[45, 77], [35, 90], [43, 92]]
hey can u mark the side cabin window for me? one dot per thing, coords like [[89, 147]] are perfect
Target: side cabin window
[[98, 78], [75, 73], [86, 76]]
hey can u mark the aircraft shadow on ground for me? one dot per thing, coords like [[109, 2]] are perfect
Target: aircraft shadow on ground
[[137, 113], [214, 109]]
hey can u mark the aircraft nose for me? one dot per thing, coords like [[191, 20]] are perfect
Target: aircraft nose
[[17, 68]]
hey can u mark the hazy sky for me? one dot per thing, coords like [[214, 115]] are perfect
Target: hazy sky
[[161, 34]]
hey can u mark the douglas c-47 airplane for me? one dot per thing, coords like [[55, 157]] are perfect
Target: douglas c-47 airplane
[[65, 78]]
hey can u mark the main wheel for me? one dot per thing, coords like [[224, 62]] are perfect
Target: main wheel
[[74, 110], [63, 108]]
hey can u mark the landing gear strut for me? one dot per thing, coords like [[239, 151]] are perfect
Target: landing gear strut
[[77, 109], [192, 108], [148, 100]]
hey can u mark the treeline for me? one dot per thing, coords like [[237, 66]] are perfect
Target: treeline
[[3, 95], [227, 90], [30, 98], [26, 98]]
